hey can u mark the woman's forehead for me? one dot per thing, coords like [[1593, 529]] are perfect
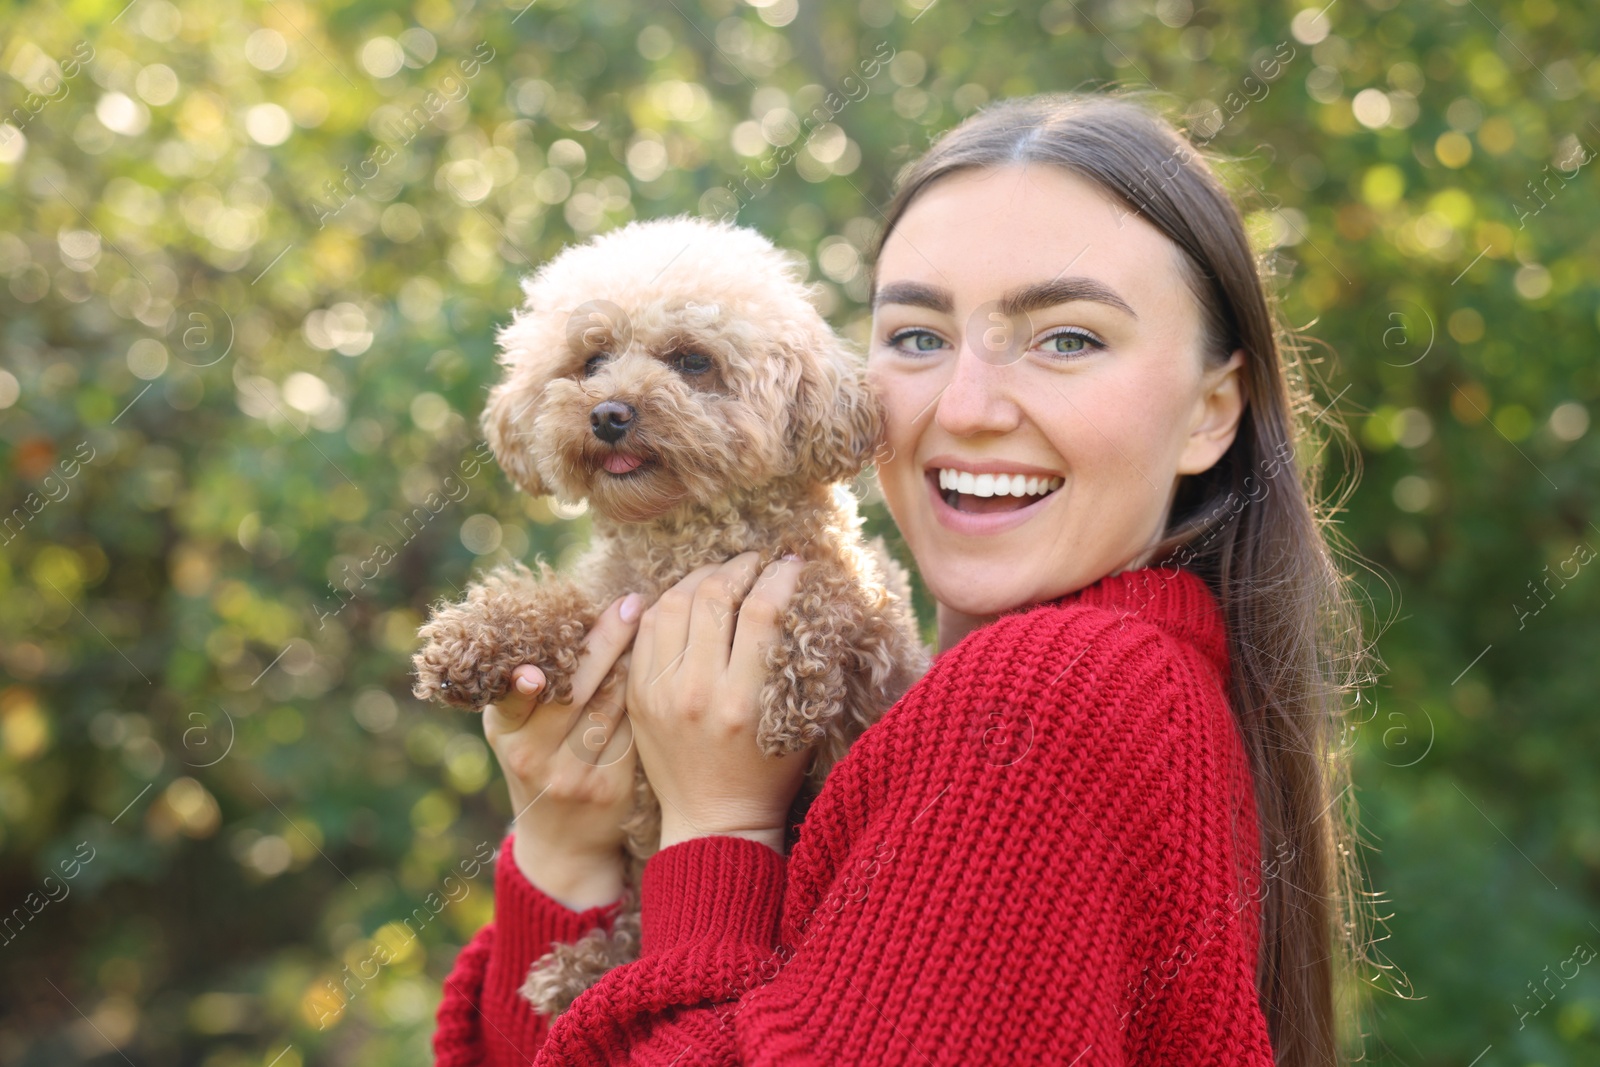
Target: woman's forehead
[[1001, 227]]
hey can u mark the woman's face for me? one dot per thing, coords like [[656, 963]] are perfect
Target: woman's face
[[1024, 324]]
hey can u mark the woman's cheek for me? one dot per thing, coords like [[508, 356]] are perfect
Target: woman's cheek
[[1135, 429], [897, 416]]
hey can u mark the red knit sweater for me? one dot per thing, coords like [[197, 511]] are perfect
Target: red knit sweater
[[1046, 852]]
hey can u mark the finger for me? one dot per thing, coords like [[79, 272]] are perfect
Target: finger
[[761, 616], [512, 711], [608, 704], [507, 715], [528, 679], [515, 710], [716, 601], [596, 728], [607, 639], [668, 623], [618, 745]]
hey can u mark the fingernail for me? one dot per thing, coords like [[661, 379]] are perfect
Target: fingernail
[[791, 556], [630, 607], [527, 685]]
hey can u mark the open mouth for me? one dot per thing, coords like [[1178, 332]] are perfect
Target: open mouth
[[987, 494], [624, 464]]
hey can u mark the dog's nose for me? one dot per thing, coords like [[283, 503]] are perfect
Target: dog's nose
[[611, 420]]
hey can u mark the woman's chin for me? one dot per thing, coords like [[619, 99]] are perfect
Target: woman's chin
[[994, 587], [980, 594]]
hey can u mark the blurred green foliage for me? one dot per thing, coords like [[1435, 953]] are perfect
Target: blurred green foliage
[[251, 273]]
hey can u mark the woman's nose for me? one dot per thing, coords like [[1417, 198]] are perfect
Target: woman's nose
[[979, 398]]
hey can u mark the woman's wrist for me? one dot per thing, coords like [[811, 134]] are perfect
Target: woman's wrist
[[677, 829], [575, 879]]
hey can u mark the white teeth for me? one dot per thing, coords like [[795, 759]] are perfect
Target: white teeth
[[996, 484]]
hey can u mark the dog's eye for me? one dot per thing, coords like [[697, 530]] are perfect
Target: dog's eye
[[593, 363], [692, 362]]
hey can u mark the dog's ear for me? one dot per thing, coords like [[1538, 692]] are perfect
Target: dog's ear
[[837, 422], [508, 423]]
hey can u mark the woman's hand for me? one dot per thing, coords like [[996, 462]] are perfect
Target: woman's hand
[[694, 691], [570, 771]]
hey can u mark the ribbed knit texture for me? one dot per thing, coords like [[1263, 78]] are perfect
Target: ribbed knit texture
[[1046, 852], [489, 971]]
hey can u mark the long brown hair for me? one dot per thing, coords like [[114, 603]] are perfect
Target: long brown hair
[[1269, 553]]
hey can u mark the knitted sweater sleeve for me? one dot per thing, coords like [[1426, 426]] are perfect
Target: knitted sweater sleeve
[[482, 1019], [1029, 860]]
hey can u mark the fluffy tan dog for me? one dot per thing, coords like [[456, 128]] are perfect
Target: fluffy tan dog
[[675, 375]]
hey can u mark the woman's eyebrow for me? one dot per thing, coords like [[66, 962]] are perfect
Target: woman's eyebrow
[[914, 294], [1014, 302]]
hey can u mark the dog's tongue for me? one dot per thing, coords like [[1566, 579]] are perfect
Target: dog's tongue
[[618, 463]]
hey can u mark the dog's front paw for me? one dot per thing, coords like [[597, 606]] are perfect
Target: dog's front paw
[[456, 665], [470, 648]]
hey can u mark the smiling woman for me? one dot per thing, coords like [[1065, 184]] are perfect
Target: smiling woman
[[1081, 368]]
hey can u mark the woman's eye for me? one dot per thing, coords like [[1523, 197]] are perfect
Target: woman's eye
[[593, 363], [1069, 343], [693, 362], [921, 341]]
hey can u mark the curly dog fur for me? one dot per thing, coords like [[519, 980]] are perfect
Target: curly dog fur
[[691, 351]]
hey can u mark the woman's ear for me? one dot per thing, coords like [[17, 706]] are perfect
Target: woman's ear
[[508, 426], [837, 421], [1217, 412]]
